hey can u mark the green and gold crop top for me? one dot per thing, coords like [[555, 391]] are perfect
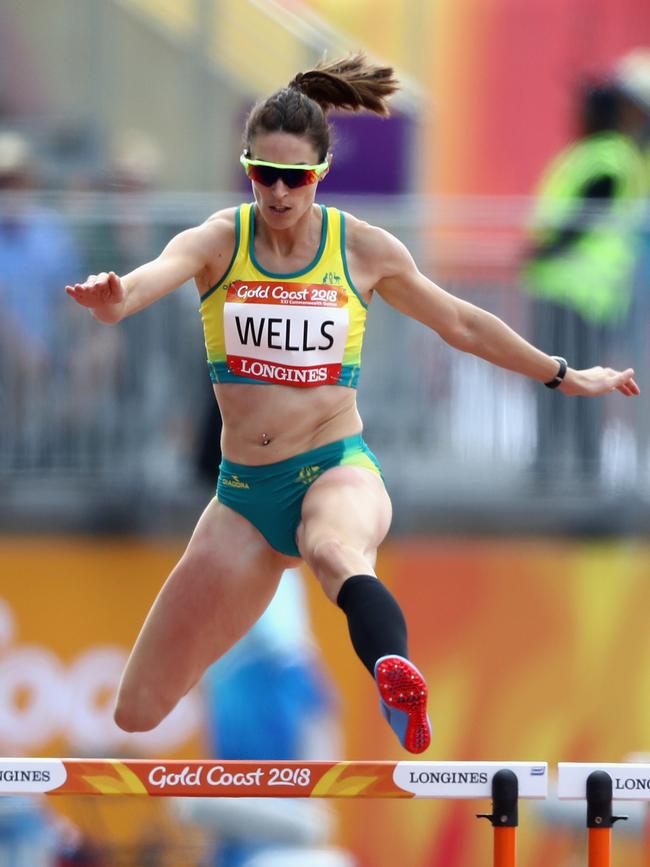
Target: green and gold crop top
[[302, 329]]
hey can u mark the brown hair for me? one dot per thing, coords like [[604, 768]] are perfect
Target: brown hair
[[350, 83]]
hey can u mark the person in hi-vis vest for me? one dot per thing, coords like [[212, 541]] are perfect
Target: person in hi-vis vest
[[580, 266]]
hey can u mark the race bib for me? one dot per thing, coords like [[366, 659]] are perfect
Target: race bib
[[287, 333]]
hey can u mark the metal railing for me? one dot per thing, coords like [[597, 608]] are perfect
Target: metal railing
[[92, 415]]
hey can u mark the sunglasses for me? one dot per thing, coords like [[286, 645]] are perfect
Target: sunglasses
[[293, 176]]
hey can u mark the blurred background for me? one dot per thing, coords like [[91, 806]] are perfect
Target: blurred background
[[516, 167]]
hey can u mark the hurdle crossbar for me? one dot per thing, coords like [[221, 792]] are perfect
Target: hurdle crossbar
[[630, 780], [504, 782], [264, 779]]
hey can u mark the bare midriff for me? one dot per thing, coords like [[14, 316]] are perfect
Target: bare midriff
[[263, 424]]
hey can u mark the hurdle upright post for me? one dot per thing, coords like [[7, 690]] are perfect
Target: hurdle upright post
[[600, 820], [504, 817], [598, 784]]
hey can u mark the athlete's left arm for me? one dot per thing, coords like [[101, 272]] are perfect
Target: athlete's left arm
[[472, 329]]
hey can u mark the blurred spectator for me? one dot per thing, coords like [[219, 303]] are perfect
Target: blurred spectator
[[128, 234], [131, 230], [37, 255], [581, 265], [267, 699]]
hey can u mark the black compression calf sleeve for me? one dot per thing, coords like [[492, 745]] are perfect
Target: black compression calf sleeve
[[375, 620]]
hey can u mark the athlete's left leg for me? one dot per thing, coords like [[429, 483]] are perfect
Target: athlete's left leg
[[346, 514]]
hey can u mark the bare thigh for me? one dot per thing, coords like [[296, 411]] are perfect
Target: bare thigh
[[346, 514], [219, 588]]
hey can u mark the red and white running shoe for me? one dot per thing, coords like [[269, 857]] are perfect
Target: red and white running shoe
[[403, 693]]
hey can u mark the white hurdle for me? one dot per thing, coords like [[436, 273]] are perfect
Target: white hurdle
[[213, 778], [599, 785], [503, 782]]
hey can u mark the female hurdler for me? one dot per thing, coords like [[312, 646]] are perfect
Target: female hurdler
[[285, 285]]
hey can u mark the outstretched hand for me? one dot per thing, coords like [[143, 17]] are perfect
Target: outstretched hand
[[599, 380], [98, 290]]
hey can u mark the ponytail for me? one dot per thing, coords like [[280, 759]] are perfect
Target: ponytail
[[350, 84]]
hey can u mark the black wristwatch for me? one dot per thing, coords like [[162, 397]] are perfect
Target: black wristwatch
[[559, 376]]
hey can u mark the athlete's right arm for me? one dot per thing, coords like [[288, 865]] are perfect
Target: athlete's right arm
[[111, 298]]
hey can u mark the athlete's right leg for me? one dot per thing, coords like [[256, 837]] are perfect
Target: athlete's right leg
[[219, 588]]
